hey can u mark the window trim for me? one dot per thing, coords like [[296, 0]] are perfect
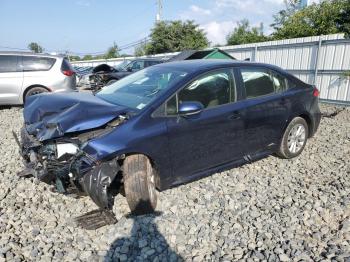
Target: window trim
[[233, 84]]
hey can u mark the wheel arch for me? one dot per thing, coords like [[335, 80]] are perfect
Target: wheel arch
[[303, 115], [307, 118], [30, 87]]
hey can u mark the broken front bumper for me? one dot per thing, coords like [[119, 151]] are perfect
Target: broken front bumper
[[70, 173]]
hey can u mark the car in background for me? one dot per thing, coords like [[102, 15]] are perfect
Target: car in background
[[164, 126], [23, 74], [105, 75], [82, 74]]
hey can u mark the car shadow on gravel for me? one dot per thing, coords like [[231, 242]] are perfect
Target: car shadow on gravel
[[3, 107], [144, 244]]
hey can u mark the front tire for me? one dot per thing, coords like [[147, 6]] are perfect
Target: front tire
[[294, 138], [139, 184]]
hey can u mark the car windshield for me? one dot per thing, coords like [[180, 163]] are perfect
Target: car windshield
[[141, 88]]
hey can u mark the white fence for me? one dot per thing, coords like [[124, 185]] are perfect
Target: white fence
[[319, 60]]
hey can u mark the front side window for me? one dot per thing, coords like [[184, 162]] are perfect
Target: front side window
[[211, 90], [141, 88], [8, 63], [257, 82], [36, 63]]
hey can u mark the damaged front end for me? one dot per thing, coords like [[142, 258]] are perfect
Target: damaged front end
[[62, 163]]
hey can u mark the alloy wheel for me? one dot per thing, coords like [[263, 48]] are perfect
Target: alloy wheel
[[296, 138]]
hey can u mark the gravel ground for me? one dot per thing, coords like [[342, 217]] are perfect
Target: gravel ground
[[273, 209]]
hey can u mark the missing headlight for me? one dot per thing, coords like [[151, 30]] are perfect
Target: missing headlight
[[66, 148]]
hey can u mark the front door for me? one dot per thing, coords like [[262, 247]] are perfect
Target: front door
[[211, 137]]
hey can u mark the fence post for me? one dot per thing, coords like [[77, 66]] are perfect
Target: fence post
[[255, 52], [317, 58]]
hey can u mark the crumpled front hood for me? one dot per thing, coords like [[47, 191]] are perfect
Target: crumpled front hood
[[50, 116]]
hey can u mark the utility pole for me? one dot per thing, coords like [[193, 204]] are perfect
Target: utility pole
[[160, 10]]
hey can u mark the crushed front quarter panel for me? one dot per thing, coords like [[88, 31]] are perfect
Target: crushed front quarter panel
[[55, 115]]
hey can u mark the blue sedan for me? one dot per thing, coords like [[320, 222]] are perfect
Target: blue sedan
[[163, 126]]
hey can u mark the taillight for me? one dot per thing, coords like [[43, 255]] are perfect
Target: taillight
[[316, 93], [68, 72]]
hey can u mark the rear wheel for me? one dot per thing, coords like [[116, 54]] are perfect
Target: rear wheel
[[139, 184], [35, 90], [294, 138]]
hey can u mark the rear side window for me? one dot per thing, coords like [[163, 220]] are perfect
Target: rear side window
[[8, 63], [279, 81], [35, 63], [257, 82]]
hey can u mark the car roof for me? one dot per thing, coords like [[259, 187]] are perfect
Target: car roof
[[207, 64], [29, 54]]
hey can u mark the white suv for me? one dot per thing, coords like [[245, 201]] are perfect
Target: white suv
[[23, 74]]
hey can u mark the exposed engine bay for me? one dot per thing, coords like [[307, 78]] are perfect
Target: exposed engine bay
[[62, 163]]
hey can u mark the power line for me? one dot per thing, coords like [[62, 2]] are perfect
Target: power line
[[123, 47]]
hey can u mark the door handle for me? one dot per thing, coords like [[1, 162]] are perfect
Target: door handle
[[235, 116]]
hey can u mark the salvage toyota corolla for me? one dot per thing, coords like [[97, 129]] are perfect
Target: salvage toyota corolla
[[163, 126]]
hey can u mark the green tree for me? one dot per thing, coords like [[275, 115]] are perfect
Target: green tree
[[87, 57], [316, 19], [35, 47], [172, 36], [343, 21], [244, 34], [291, 7], [112, 52], [74, 58]]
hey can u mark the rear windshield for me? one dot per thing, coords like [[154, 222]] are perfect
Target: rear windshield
[[66, 65], [36, 63]]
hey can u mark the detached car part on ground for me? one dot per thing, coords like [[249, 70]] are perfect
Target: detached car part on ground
[[164, 126]]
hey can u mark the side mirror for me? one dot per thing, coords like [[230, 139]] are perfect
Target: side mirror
[[190, 108], [129, 69]]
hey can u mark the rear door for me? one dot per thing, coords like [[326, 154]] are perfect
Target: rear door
[[11, 79], [267, 108], [212, 137]]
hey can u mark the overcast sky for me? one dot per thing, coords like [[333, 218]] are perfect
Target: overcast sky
[[89, 26]]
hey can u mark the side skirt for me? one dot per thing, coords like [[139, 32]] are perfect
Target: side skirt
[[245, 160]]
